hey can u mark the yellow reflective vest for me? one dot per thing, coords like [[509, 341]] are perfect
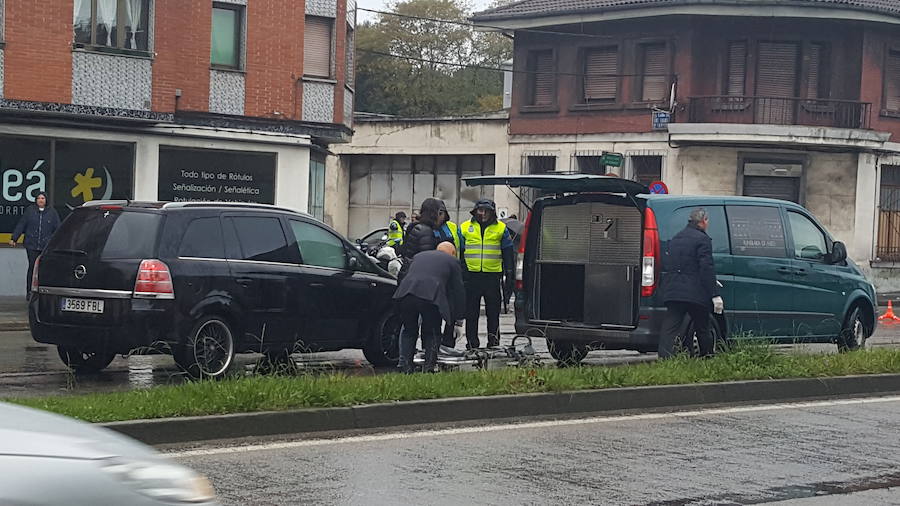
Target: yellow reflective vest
[[395, 233], [483, 252], [454, 233]]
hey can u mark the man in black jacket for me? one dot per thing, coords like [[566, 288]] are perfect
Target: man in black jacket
[[38, 224], [432, 290], [689, 285]]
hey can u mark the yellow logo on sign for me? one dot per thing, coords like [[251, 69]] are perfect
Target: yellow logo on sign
[[85, 184]]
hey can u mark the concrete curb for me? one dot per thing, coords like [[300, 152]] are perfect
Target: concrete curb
[[274, 423]]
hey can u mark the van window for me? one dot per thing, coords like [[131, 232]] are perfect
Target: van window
[[318, 246], [756, 231], [115, 234], [809, 241], [203, 239], [262, 239], [717, 231]]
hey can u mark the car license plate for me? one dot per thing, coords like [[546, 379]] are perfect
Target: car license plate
[[81, 305]]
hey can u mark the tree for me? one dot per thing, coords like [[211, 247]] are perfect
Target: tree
[[402, 62]]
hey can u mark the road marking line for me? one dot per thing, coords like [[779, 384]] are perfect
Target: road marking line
[[390, 436]]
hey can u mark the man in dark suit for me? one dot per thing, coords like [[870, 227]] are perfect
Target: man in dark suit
[[431, 290], [689, 285]]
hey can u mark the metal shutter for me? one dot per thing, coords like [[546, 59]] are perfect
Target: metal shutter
[[655, 81], [544, 80], [737, 68], [600, 73], [777, 73], [317, 46], [892, 81], [815, 65], [783, 188]]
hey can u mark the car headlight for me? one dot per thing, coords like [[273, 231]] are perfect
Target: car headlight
[[161, 480]]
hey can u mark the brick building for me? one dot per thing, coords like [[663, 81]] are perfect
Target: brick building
[[797, 99], [169, 100]]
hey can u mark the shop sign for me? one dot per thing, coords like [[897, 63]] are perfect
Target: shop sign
[[215, 175]]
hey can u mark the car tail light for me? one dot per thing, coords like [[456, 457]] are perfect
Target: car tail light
[[650, 261], [34, 275], [154, 281], [520, 258]]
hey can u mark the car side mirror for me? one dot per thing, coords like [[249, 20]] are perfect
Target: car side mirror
[[353, 263], [838, 253]]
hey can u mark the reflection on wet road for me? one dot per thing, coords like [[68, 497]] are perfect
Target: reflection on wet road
[[838, 452]]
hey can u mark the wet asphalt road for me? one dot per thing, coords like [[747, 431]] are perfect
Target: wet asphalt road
[[828, 452], [28, 368]]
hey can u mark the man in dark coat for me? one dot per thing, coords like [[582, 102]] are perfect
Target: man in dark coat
[[433, 291], [38, 224], [689, 285]]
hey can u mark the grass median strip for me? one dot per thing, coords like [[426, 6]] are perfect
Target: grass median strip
[[273, 393]]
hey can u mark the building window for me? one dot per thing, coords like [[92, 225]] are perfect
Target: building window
[[590, 164], [773, 179], [226, 36], [120, 24], [817, 84], [540, 164], [735, 80], [601, 68], [647, 169], [349, 51], [541, 78], [317, 46], [889, 215], [316, 205], [892, 81], [654, 70]]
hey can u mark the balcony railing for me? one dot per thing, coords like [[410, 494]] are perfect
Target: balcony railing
[[779, 111]]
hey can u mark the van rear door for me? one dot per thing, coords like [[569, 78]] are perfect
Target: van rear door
[[582, 260]]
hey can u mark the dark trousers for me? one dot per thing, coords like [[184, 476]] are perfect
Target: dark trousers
[[448, 336], [675, 312], [487, 285], [32, 256], [411, 309]]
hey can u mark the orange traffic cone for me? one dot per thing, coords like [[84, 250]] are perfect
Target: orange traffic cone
[[889, 314]]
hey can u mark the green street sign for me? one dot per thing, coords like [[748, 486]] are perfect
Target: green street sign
[[612, 159]]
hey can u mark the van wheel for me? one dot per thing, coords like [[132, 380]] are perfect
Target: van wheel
[[208, 351], [83, 361], [383, 346], [854, 333], [566, 353]]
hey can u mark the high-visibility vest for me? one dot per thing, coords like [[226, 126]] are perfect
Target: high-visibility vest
[[483, 254], [454, 233], [395, 233]]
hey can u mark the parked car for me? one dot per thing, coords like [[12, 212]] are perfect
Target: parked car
[[48, 459], [204, 281], [589, 267]]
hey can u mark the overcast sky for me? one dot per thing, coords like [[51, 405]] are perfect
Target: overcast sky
[[477, 5]]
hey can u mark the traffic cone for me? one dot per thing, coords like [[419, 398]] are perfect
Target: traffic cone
[[889, 314]]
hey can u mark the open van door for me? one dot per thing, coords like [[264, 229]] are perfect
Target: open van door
[[582, 255]]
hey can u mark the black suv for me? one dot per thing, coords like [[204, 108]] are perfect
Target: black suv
[[204, 281]]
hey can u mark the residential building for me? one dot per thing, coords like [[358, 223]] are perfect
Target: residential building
[[170, 100], [796, 100]]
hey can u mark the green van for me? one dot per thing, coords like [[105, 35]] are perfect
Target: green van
[[589, 267]]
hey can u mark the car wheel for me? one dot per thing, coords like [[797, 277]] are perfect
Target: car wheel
[[566, 353], [383, 347], [83, 361], [209, 350], [854, 333], [691, 344]]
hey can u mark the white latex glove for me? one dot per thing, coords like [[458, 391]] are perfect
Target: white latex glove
[[718, 305]]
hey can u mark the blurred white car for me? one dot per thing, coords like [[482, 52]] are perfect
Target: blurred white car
[[51, 459]]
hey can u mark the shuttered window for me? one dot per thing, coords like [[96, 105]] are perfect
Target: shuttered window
[[892, 81], [737, 68], [817, 77], [317, 46], [542, 78], [777, 74], [601, 68], [349, 53], [654, 70]]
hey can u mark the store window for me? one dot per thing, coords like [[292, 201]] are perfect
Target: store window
[[316, 199], [121, 24], [226, 36]]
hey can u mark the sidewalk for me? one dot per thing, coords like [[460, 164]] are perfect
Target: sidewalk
[[13, 313]]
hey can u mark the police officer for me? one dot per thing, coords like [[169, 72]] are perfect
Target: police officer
[[689, 285], [396, 230], [487, 253]]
